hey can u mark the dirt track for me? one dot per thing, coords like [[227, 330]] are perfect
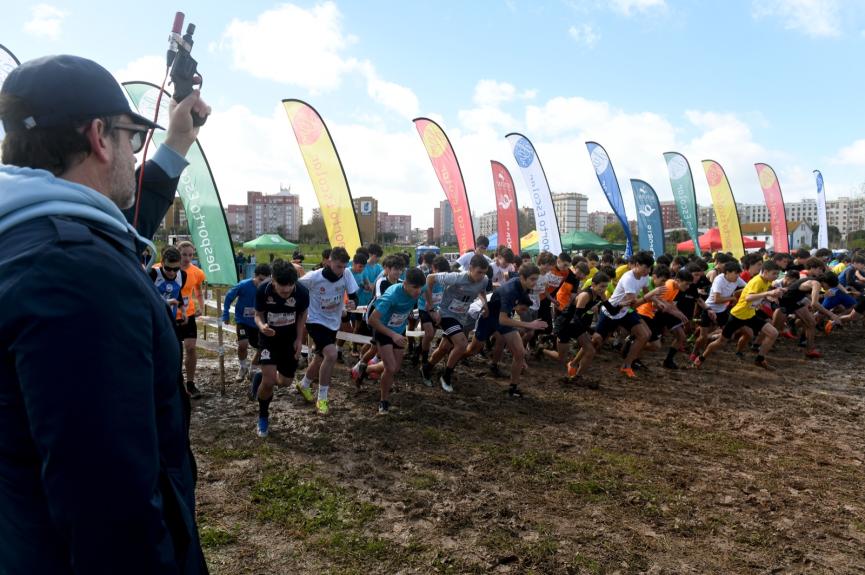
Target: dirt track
[[721, 470]]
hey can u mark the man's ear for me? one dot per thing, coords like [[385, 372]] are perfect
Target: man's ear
[[98, 136]]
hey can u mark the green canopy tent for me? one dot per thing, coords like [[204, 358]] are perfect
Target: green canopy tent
[[577, 240], [269, 242]]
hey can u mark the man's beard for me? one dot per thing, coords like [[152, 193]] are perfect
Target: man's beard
[[123, 183]]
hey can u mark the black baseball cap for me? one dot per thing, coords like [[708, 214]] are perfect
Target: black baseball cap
[[65, 90]]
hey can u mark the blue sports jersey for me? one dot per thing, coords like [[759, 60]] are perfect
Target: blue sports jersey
[[244, 310], [394, 307], [437, 291], [364, 296]]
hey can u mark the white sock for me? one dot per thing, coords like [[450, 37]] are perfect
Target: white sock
[[306, 383], [322, 392]]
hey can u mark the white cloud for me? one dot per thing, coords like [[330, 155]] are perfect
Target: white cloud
[[146, 68], [45, 21], [852, 155], [816, 18], [584, 34], [267, 48], [629, 7]]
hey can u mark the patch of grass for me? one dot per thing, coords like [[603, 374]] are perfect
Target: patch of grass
[[714, 443], [533, 461], [587, 563], [592, 488], [308, 505], [423, 481], [229, 454], [215, 537]]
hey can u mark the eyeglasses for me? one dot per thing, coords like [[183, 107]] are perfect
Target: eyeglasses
[[171, 269], [136, 137]]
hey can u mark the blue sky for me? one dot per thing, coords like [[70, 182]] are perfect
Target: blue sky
[[774, 81]]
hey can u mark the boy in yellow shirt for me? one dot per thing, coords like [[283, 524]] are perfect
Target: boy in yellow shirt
[[747, 320]]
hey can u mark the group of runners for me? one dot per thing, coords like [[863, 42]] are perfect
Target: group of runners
[[562, 307]]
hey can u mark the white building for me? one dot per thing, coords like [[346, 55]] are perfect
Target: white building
[[487, 224], [572, 212], [799, 234]]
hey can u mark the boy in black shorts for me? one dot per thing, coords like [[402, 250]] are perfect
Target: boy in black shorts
[[281, 305]]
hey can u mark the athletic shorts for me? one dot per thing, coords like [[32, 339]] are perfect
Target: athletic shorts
[[321, 336], [565, 332], [659, 322], [364, 329], [790, 308], [721, 318], [249, 333], [839, 299], [279, 351], [381, 340], [734, 324], [189, 330], [607, 325], [451, 327], [425, 317]]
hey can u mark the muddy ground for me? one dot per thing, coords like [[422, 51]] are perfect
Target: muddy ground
[[726, 469]]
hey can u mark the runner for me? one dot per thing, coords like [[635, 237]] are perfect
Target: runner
[[281, 305], [429, 320], [722, 295], [664, 313], [244, 317], [499, 319], [801, 299], [579, 328], [193, 291], [745, 319], [327, 290], [460, 290], [620, 313], [394, 266], [388, 321], [482, 244], [169, 280]]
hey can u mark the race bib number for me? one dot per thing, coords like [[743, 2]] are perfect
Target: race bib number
[[459, 307], [248, 312], [330, 304], [397, 320], [437, 297], [280, 319]]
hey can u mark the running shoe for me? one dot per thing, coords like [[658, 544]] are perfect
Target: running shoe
[[261, 428], [740, 354], [670, 364], [514, 392], [828, 327], [306, 392], [374, 375], [426, 374], [193, 391], [446, 385], [628, 372], [358, 373], [764, 364], [698, 361], [787, 334], [572, 371], [637, 364], [241, 374], [494, 370], [322, 407], [813, 354], [692, 358], [383, 407]]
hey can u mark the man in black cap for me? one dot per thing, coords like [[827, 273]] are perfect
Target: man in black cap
[[96, 475]]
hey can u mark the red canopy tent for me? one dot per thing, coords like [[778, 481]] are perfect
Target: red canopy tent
[[711, 241]]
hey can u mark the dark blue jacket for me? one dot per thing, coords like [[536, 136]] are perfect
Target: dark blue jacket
[[96, 475]]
